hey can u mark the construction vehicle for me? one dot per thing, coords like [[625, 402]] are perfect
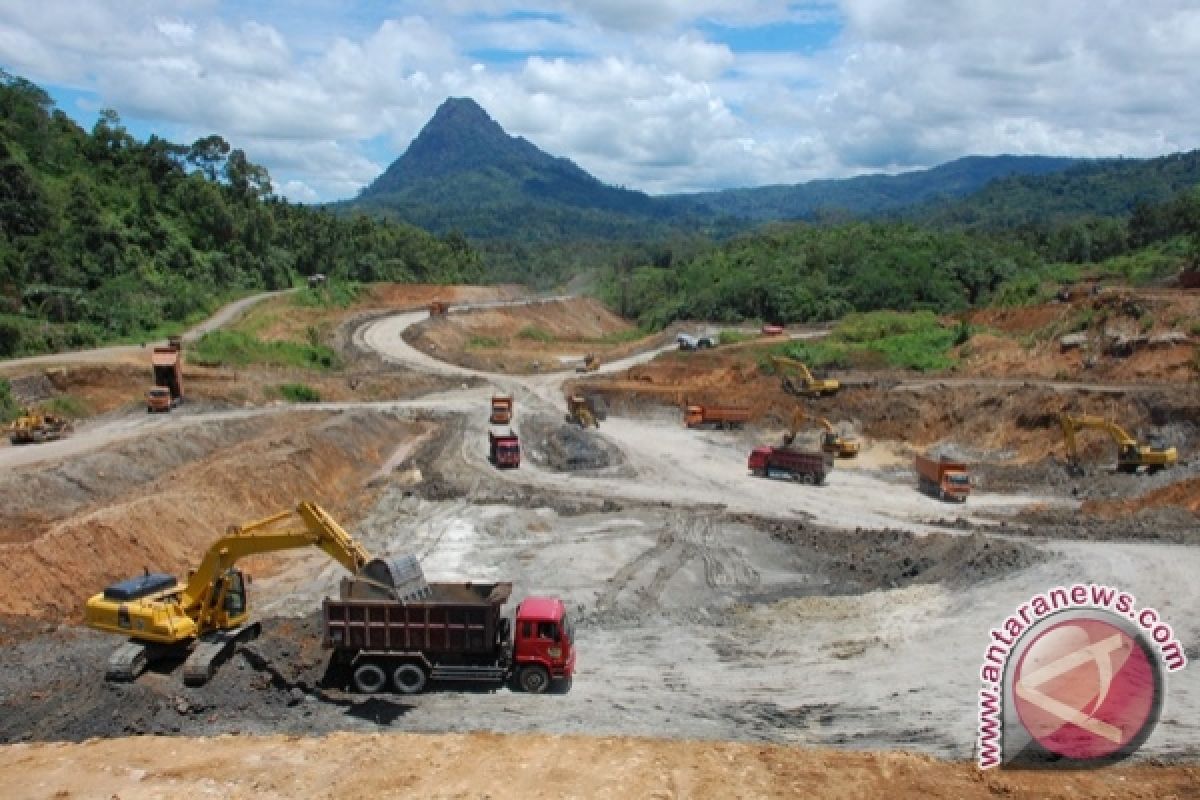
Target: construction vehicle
[[699, 416], [590, 363], [784, 462], [453, 632], [167, 362], [203, 620], [438, 308], [808, 386], [502, 409], [944, 478], [688, 342], [504, 448], [34, 428], [1132, 455], [580, 412], [833, 441]]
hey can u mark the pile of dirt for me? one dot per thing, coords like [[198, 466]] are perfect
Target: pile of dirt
[[1183, 494], [158, 501], [553, 444], [541, 336], [867, 560], [1170, 524]]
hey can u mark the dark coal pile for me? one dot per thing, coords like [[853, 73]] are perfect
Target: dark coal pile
[[866, 560], [1168, 525], [553, 444]]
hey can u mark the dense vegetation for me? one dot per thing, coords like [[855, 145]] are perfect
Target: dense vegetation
[[104, 238]]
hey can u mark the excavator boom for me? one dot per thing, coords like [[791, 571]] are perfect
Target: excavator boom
[[809, 386], [210, 609]]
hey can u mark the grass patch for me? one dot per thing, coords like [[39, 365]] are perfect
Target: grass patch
[[238, 349], [299, 393], [485, 342], [66, 405], [1195, 328], [9, 410], [535, 334], [733, 337], [334, 294], [896, 339]]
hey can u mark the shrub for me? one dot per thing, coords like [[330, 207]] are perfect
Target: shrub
[[484, 342], [235, 348], [536, 334], [299, 393]]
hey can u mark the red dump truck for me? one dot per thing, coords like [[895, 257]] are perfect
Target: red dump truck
[[502, 409], [504, 448], [943, 478], [167, 391], [456, 632], [698, 416], [784, 462]]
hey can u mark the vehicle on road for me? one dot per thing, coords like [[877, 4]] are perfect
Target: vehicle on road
[[34, 428], [688, 342], [700, 416], [772, 330], [502, 409], [944, 478], [789, 464], [504, 448], [167, 362], [458, 632]]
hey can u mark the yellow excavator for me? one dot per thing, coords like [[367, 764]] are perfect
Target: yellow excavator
[[581, 413], [590, 363], [832, 441], [808, 386], [1131, 454], [202, 621]]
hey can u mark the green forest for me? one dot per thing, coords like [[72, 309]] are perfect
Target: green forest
[[108, 239], [105, 238]]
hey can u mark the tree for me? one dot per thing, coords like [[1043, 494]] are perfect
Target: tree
[[208, 154]]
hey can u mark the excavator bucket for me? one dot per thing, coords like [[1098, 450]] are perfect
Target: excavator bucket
[[396, 578]]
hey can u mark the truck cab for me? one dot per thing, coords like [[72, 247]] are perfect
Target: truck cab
[[158, 398], [543, 643]]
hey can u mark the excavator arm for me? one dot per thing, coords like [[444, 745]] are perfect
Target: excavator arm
[[1130, 453], [808, 384]]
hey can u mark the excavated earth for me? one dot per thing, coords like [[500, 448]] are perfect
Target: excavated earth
[[744, 643]]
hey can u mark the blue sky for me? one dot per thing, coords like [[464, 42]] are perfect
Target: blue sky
[[659, 95]]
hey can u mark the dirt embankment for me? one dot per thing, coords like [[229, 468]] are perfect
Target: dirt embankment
[[542, 336], [158, 501], [353, 766]]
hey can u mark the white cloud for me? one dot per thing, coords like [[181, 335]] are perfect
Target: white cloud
[[639, 93]]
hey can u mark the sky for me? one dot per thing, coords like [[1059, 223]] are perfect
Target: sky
[[663, 96]]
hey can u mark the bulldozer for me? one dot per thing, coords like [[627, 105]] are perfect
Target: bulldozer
[[590, 363], [581, 412], [1132, 455], [807, 386], [201, 621], [32, 428]]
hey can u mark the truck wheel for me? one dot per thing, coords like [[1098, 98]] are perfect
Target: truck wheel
[[369, 678], [409, 679], [534, 679]]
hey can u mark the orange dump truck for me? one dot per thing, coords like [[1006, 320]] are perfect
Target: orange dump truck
[[502, 409], [715, 416], [167, 391], [943, 478]]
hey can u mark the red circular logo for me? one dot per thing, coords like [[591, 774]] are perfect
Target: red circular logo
[[1084, 689]]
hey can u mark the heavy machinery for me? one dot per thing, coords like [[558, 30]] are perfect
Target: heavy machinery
[[699, 416], [688, 342], [453, 632], [202, 621], [32, 428], [1131, 454], [832, 441], [789, 464], [504, 448], [502, 409], [167, 362], [590, 363], [581, 412], [943, 478], [808, 386], [438, 307]]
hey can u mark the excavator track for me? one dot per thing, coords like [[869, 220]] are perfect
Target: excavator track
[[131, 659], [212, 649]]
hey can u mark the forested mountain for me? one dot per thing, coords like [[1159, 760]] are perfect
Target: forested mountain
[[464, 173], [104, 237]]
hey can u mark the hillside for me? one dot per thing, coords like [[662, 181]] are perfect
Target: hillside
[[104, 237]]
